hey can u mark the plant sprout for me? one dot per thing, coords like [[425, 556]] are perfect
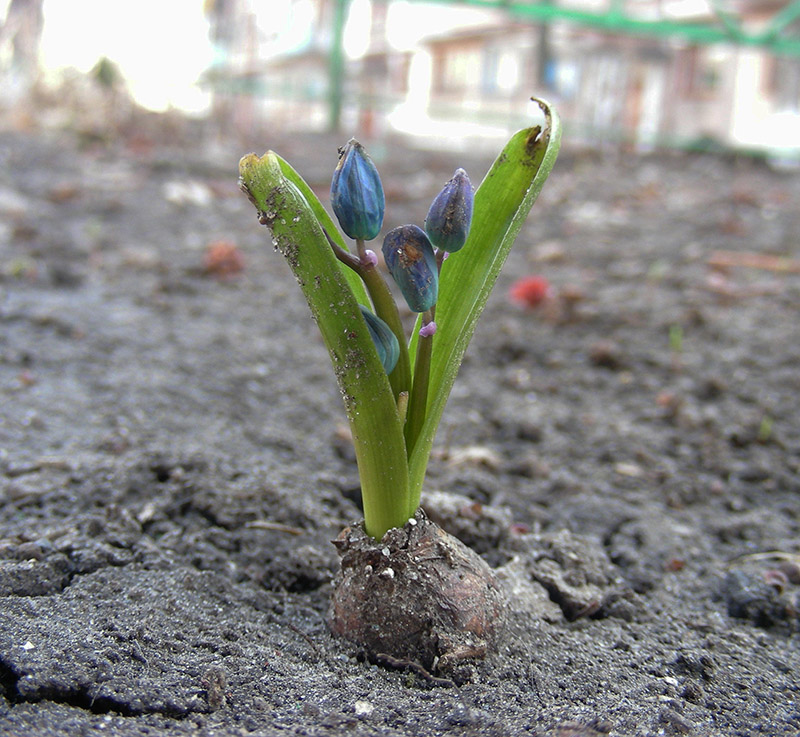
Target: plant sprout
[[393, 408]]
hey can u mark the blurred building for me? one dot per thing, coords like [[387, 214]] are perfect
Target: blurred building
[[647, 72]]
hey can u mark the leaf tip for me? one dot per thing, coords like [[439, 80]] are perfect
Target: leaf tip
[[258, 176], [251, 165]]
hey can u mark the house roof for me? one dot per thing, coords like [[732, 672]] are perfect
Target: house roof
[[477, 33]]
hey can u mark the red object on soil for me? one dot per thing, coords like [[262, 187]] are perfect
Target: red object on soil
[[223, 259], [530, 291]]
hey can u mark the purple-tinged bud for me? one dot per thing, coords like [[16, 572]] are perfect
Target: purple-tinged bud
[[370, 259], [450, 214], [410, 259], [384, 339], [357, 193], [427, 330]]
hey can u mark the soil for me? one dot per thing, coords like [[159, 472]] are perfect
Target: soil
[[173, 466]]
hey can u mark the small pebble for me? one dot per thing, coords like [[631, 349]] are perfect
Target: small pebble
[[678, 721], [776, 578], [363, 708], [791, 569], [30, 551]]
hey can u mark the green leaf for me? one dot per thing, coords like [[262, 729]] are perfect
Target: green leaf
[[370, 405], [382, 301], [502, 203], [326, 221]]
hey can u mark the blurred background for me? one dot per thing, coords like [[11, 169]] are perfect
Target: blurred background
[[696, 74]]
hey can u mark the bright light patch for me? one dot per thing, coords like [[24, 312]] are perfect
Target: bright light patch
[[357, 30], [160, 47], [289, 26], [408, 23]]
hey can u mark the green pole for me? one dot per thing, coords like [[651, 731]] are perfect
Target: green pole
[[336, 65], [616, 19], [781, 20]]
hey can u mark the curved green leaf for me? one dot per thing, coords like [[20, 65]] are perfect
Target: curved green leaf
[[369, 402], [502, 203], [326, 221], [373, 283]]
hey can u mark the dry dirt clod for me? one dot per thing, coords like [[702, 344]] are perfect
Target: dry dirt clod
[[419, 595]]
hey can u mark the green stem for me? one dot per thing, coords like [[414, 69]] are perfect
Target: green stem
[[347, 258], [418, 400], [385, 308]]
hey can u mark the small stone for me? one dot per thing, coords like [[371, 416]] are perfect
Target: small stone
[[461, 716], [791, 569], [676, 720], [215, 682], [693, 692], [606, 354], [776, 578], [363, 708], [30, 551]]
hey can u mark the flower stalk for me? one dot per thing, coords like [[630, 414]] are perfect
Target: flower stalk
[[418, 401], [385, 308]]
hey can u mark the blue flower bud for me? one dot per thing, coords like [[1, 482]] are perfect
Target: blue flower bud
[[412, 264], [357, 193], [384, 339], [450, 215]]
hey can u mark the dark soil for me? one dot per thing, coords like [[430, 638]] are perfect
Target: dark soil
[[173, 467]]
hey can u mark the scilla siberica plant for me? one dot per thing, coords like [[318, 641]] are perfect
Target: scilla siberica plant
[[393, 408]]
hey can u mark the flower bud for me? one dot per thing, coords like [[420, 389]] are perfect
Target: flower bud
[[357, 193], [450, 215], [428, 330], [410, 259], [384, 339]]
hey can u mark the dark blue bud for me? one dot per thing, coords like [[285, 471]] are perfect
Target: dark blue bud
[[357, 193], [450, 216], [412, 264], [384, 339]]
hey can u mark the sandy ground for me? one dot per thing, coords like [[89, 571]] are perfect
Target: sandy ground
[[172, 466]]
